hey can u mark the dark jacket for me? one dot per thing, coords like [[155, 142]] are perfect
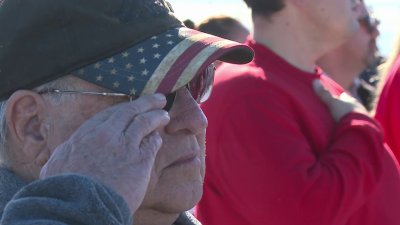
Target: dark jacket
[[65, 199]]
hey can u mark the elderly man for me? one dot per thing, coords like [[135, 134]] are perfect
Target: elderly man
[[276, 154], [87, 135], [345, 63]]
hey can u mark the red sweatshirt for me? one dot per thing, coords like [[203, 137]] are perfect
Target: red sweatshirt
[[275, 156], [388, 109]]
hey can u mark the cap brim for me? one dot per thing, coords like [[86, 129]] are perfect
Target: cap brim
[[163, 63]]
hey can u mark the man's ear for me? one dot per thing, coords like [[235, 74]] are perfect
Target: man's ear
[[25, 115]]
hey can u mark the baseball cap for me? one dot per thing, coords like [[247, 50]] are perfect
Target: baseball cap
[[128, 46]]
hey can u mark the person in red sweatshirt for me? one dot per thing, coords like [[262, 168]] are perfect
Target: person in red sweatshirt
[[388, 107], [280, 149]]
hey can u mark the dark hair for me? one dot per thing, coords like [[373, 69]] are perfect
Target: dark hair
[[222, 26], [189, 24], [265, 7]]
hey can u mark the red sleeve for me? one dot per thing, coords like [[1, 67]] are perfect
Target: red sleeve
[[388, 110], [271, 175]]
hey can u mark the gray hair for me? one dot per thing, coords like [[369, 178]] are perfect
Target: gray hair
[[3, 134], [66, 82]]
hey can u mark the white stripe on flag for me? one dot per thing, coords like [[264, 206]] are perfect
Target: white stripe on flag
[[197, 62]]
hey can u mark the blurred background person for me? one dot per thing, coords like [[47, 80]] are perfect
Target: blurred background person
[[189, 24], [388, 105], [346, 63], [226, 27]]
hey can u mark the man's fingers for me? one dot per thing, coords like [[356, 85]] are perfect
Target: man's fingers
[[356, 105], [321, 91], [338, 106], [347, 98], [144, 124], [126, 112], [151, 143]]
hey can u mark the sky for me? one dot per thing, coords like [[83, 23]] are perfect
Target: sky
[[387, 11]]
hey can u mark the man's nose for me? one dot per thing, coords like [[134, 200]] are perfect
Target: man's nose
[[186, 115]]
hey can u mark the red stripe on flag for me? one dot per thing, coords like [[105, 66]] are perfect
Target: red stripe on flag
[[182, 62]]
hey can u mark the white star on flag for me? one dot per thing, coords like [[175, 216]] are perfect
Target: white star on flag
[[143, 61], [131, 78], [128, 66], [132, 91], [145, 72], [99, 78], [111, 60], [140, 50], [116, 84], [97, 65]]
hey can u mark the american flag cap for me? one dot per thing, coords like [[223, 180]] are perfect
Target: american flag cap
[[163, 63], [130, 46]]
